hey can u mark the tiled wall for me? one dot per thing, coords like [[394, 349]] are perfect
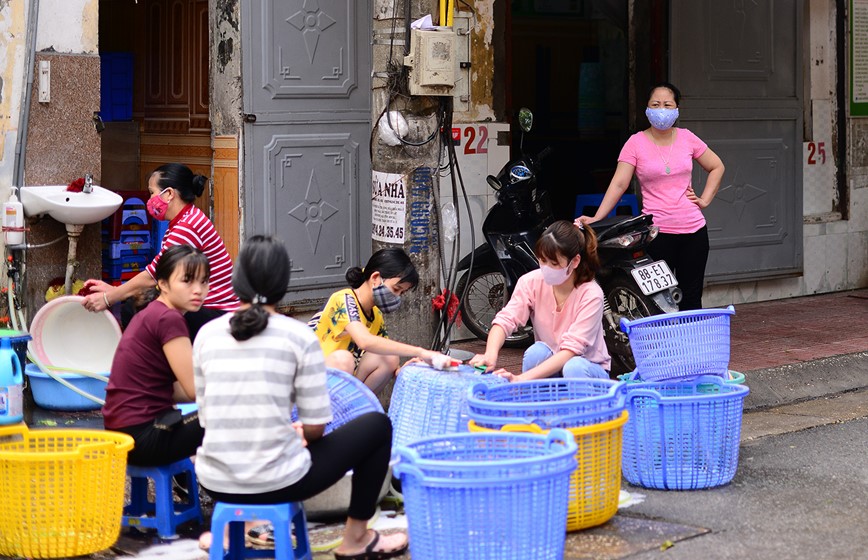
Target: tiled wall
[[62, 145]]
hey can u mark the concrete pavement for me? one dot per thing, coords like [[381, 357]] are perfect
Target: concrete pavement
[[801, 489]]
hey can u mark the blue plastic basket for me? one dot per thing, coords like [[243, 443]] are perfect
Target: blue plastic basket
[[682, 435], [548, 403], [731, 376], [680, 345], [349, 398], [487, 496], [429, 402]]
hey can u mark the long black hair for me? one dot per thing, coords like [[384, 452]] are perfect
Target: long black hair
[[260, 277], [390, 263], [182, 179]]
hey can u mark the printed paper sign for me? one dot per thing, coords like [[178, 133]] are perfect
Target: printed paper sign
[[388, 207]]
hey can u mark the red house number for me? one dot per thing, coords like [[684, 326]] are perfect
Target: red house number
[[473, 145], [816, 151]]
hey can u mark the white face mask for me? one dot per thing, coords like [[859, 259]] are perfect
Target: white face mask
[[555, 276]]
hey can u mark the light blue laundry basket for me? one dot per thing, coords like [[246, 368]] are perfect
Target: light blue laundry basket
[[428, 402], [487, 496], [682, 435], [548, 403], [349, 398], [680, 345]]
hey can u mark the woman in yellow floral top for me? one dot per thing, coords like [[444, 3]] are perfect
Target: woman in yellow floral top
[[351, 329]]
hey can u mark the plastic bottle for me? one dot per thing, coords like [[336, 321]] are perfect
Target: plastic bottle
[[11, 384], [13, 217]]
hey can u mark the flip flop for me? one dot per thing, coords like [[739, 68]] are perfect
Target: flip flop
[[261, 537], [371, 554]]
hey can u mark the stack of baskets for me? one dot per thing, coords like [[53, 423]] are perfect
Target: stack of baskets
[[590, 410], [482, 495], [685, 415], [126, 239]]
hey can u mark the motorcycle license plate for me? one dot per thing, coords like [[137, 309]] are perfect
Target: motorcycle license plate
[[654, 277]]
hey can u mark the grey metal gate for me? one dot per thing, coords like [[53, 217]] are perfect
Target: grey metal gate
[[307, 102], [739, 67]]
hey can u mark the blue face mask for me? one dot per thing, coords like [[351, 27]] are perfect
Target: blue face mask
[[385, 299], [661, 119]]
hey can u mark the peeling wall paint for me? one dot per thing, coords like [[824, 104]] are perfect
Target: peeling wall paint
[[68, 26], [225, 66], [481, 64], [12, 27]]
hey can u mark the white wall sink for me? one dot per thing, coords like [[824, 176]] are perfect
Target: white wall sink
[[72, 208]]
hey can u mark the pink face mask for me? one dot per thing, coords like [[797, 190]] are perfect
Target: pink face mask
[[555, 276], [157, 207]]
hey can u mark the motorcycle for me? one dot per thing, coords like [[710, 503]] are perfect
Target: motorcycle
[[634, 285]]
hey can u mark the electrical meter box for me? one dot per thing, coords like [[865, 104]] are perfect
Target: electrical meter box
[[432, 61]]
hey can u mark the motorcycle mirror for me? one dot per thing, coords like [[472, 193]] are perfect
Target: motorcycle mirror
[[495, 184], [525, 119]]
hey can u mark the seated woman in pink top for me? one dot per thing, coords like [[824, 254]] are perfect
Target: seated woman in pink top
[[565, 305]]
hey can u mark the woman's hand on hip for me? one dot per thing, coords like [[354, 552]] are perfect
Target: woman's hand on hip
[[691, 196]]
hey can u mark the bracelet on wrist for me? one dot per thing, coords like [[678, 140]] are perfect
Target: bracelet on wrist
[[105, 299]]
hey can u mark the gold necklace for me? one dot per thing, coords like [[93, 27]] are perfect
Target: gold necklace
[[669, 155]]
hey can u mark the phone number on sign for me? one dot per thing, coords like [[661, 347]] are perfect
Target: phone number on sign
[[381, 231]]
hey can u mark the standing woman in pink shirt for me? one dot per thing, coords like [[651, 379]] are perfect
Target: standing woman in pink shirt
[[662, 158], [565, 305], [174, 188]]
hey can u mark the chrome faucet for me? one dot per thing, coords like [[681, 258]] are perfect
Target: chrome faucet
[[88, 183]]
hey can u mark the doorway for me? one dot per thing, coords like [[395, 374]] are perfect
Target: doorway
[[154, 105], [569, 65]]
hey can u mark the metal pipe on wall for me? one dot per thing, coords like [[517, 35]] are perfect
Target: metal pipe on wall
[[24, 109]]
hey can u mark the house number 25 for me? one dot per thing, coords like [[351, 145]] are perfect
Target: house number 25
[[816, 153]]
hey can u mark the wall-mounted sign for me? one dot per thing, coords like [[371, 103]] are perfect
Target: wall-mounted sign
[[388, 207]]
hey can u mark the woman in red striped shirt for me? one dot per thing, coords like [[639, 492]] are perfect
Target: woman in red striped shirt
[[173, 188]]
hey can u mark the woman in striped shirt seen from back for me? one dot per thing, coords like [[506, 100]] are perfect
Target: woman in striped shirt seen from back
[[174, 188], [249, 369]]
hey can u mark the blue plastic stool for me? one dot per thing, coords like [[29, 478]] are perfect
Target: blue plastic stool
[[163, 514], [594, 200], [279, 515]]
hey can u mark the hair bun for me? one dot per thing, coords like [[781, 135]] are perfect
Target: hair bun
[[355, 276], [199, 182]]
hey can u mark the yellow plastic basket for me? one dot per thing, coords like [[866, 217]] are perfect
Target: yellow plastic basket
[[595, 485], [61, 491]]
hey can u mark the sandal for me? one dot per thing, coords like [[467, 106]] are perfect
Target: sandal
[[261, 537], [370, 554]]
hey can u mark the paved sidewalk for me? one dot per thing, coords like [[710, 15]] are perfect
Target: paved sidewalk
[[775, 333]]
